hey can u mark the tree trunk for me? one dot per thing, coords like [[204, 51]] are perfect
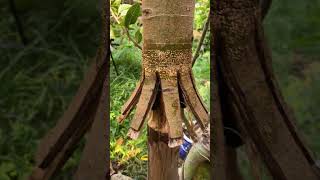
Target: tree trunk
[[167, 84], [163, 160], [244, 61], [161, 35]]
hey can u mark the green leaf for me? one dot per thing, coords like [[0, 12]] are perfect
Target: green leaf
[[132, 15], [138, 36], [123, 9]]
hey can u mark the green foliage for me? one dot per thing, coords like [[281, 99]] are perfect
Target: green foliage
[[201, 13], [138, 36], [132, 15], [124, 22]]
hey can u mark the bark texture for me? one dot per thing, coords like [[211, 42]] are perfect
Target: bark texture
[[166, 79], [247, 83], [163, 160], [167, 85]]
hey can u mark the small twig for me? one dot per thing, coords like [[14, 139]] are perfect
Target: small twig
[[265, 6], [204, 32], [113, 62], [125, 30], [132, 40], [13, 10]]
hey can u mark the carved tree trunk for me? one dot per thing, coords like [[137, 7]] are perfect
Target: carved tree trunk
[[247, 84], [166, 85]]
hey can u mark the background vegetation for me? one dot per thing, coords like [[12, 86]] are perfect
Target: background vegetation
[[39, 80]]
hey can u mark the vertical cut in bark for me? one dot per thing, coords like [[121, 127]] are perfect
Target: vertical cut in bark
[[167, 63]]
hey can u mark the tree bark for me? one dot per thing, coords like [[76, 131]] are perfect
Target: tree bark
[[244, 61], [167, 85], [163, 160]]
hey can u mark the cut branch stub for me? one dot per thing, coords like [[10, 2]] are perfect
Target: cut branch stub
[[167, 81]]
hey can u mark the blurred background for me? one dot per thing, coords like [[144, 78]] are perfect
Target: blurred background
[[41, 68]]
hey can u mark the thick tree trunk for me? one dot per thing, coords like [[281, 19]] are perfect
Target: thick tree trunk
[[166, 85], [245, 65], [167, 30]]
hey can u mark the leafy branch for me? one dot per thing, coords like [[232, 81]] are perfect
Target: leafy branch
[[130, 18]]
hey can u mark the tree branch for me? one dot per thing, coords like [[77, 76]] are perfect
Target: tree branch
[[132, 40], [113, 62], [204, 32], [125, 30]]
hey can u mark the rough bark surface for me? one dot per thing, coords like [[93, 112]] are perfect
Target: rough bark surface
[[167, 73], [244, 61], [163, 160], [167, 85], [217, 145]]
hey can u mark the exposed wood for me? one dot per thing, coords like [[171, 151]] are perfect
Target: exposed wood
[[193, 100], [163, 161], [146, 100], [167, 70], [132, 101], [168, 85]]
